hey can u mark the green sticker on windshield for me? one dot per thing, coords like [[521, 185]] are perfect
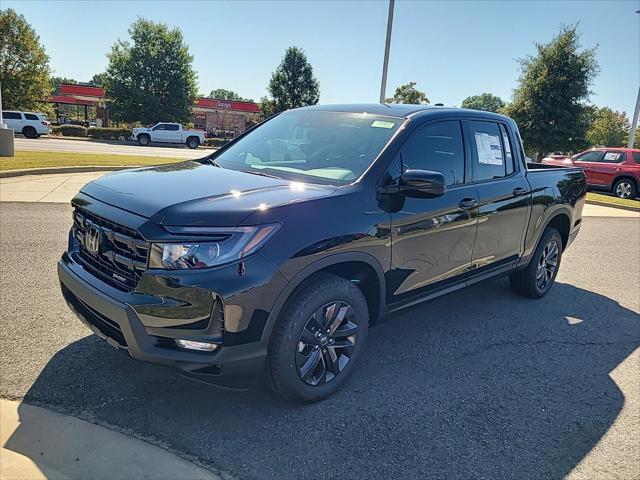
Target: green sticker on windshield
[[383, 124]]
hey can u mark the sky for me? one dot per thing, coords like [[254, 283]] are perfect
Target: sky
[[452, 49]]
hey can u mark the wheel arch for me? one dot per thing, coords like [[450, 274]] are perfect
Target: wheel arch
[[361, 268], [625, 176]]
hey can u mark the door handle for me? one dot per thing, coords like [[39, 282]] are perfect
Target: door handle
[[519, 191], [468, 203]]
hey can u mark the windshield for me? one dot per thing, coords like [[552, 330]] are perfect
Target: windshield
[[308, 146]]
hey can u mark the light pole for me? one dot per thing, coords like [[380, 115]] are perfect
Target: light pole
[[634, 125], [385, 65]]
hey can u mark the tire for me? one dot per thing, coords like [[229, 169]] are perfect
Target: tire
[[144, 140], [539, 276], [193, 142], [300, 351], [29, 132], [625, 188]]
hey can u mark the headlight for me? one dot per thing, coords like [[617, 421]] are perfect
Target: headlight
[[241, 242]]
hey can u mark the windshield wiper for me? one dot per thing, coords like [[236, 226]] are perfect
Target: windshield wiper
[[210, 161], [262, 174]]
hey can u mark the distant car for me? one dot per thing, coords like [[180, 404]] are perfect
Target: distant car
[[29, 124], [614, 169], [556, 157], [168, 133]]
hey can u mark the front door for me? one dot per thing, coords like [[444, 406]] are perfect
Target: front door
[[586, 161], [432, 238]]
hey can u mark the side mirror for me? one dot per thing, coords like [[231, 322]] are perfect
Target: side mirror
[[419, 183]]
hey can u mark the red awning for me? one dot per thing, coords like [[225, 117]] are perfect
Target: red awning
[[228, 105], [69, 100], [84, 90]]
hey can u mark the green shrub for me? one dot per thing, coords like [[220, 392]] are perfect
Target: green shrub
[[73, 130], [215, 142], [109, 133]]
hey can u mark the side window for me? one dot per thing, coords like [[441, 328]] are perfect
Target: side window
[[12, 115], [160, 127], [171, 128], [489, 157], [506, 143], [31, 116], [636, 157], [614, 157], [437, 147], [591, 156]]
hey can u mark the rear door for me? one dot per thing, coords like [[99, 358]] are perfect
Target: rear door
[[504, 195], [586, 160], [174, 133], [605, 170], [13, 120], [432, 237]]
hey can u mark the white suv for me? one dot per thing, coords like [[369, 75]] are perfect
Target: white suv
[[29, 124]]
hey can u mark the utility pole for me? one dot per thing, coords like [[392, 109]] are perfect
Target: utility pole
[[634, 125], [385, 65]]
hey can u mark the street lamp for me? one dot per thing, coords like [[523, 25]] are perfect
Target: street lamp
[[634, 125], [385, 64]]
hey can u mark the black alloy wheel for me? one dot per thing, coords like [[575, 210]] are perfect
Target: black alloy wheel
[[326, 343], [547, 264]]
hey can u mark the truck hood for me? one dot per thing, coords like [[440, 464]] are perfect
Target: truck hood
[[192, 193]]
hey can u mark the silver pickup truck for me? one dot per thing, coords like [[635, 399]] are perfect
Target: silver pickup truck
[[164, 132]]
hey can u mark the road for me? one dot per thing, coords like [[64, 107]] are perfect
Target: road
[[44, 144], [478, 384]]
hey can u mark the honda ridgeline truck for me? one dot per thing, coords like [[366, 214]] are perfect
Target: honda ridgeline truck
[[270, 258]]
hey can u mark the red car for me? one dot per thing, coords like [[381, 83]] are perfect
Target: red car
[[614, 169]]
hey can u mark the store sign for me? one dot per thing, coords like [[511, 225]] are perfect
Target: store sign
[[223, 104]]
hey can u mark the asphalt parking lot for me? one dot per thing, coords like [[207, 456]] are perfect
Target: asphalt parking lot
[[478, 384]]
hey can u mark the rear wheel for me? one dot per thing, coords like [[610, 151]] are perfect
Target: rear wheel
[[318, 339], [29, 132], [193, 142], [625, 188], [539, 276], [144, 140]]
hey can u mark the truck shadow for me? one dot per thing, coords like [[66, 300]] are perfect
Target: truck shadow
[[478, 384]]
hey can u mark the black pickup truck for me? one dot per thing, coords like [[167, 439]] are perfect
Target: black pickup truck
[[270, 258]]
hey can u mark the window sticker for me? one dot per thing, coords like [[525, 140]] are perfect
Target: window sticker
[[382, 124], [489, 149], [611, 156]]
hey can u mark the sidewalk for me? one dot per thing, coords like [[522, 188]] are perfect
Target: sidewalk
[[41, 444], [61, 187]]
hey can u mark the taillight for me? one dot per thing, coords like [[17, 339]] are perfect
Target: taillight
[[45, 123]]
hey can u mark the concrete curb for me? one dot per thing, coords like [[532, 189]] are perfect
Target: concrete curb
[[55, 170], [613, 205], [38, 443]]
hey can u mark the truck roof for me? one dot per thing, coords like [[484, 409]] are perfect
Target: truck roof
[[400, 110]]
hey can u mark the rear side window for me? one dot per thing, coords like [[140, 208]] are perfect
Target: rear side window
[[592, 156], [636, 157], [489, 156], [31, 116], [437, 147], [614, 157], [171, 128], [12, 115]]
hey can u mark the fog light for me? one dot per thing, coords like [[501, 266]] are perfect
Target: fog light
[[201, 346]]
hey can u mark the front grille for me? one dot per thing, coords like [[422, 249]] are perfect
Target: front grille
[[106, 326], [121, 254]]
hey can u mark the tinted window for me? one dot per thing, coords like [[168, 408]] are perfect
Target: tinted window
[[592, 156], [12, 115], [506, 143], [488, 155], [172, 128], [614, 157], [636, 157], [159, 127], [437, 147], [31, 116]]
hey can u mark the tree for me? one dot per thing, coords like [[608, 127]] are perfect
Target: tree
[[293, 85], [224, 94], [98, 80], [267, 106], [408, 93], [151, 79], [609, 129], [549, 103], [486, 102], [24, 64]]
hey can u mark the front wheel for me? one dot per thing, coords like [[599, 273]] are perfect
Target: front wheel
[[539, 276], [625, 188], [318, 340]]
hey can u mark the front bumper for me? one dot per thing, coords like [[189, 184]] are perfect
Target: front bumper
[[144, 323]]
